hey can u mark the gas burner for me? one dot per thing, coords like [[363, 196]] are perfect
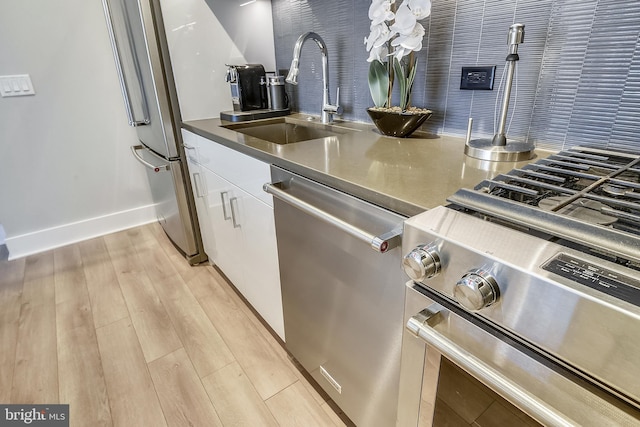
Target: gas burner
[[614, 190], [585, 210]]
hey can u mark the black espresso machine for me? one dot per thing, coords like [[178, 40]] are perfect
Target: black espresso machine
[[253, 95], [248, 89]]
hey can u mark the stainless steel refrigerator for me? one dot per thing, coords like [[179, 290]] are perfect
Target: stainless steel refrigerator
[[142, 60]]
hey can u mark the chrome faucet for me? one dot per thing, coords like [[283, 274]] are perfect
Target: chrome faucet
[[328, 110]]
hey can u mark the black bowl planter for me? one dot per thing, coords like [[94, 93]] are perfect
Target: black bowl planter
[[396, 123]]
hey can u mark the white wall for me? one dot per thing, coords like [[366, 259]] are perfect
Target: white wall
[[66, 173], [203, 36]]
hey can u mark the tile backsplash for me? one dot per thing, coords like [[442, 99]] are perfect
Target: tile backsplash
[[577, 81]]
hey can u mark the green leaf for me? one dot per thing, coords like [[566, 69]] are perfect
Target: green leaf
[[410, 79], [402, 79], [378, 83]]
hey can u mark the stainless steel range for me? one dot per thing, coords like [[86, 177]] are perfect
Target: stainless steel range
[[530, 285]]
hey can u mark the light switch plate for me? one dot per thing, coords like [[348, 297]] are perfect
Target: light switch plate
[[16, 85]]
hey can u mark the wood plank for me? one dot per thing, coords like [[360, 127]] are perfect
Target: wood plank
[[150, 319], [132, 395], [182, 395], [70, 281], [38, 287], [157, 264], [35, 378], [179, 262], [11, 280], [294, 407], [107, 303], [235, 398], [269, 336], [268, 372], [80, 376], [200, 338]]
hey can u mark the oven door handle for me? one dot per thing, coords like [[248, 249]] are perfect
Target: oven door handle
[[422, 325], [382, 243]]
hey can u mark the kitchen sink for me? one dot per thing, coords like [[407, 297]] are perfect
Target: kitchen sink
[[287, 131]]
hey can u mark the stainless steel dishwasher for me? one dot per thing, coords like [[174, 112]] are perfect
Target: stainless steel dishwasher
[[342, 292]]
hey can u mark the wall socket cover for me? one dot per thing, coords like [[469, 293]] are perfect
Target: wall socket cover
[[478, 77]]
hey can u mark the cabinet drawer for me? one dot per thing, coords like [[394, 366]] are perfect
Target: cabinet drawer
[[240, 169]]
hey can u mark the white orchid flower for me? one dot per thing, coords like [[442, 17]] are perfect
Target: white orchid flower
[[380, 11], [379, 35], [405, 20], [378, 53], [397, 40], [420, 8], [406, 43]]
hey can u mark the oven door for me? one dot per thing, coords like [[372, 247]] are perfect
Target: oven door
[[458, 371]]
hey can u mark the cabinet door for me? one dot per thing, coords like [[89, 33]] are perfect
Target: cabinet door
[[262, 277], [198, 185], [227, 246]]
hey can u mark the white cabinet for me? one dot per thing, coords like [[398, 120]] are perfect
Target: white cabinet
[[237, 217]]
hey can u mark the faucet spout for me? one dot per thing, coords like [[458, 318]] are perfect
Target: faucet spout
[[292, 77]]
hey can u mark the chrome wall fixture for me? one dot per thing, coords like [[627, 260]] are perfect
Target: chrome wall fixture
[[497, 149]]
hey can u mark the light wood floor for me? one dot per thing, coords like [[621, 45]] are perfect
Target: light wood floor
[[125, 331]]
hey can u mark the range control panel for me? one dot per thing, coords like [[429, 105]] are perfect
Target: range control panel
[[601, 279]]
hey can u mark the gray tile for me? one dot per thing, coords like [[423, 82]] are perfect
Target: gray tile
[[577, 81]]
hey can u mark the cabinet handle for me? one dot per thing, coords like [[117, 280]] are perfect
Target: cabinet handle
[[196, 181], [236, 224], [224, 205]]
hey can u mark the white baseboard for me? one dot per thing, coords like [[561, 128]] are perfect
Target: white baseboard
[[55, 237]]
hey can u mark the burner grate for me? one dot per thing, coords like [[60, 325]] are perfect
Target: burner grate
[[579, 184], [612, 180]]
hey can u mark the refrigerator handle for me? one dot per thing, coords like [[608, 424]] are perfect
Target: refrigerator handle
[[123, 86], [134, 150]]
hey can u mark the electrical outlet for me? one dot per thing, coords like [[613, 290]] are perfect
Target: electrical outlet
[[477, 78]]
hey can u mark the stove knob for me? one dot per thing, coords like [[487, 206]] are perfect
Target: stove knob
[[476, 290], [421, 263]]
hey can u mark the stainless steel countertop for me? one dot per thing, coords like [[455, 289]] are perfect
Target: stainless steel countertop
[[405, 175]]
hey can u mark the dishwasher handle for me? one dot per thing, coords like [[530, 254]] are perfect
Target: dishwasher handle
[[381, 243]]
